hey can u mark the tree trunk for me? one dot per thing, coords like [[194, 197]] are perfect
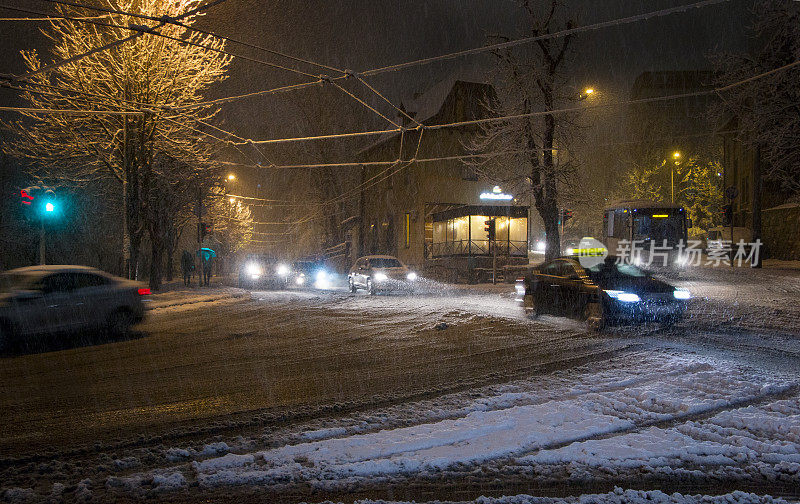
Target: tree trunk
[[156, 265], [170, 263]]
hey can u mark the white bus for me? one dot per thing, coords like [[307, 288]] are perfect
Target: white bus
[[649, 234]]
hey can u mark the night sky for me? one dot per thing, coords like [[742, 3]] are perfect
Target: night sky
[[363, 34]]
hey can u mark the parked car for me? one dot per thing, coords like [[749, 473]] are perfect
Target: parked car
[[608, 292], [51, 299], [259, 271], [380, 273]]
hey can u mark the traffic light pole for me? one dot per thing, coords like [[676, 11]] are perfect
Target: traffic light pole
[[41, 242], [494, 261]]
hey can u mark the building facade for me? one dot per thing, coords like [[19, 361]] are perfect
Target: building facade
[[402, 208]]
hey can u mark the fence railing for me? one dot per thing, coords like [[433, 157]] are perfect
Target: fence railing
[[478, 248]]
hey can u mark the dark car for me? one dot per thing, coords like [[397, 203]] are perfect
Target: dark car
[[259, 271], [608, 292]]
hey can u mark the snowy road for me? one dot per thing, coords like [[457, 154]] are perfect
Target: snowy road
[[430, 396]]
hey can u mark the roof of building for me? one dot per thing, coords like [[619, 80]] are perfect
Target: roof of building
[[436, 105]]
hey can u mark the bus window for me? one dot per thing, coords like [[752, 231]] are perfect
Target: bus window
[[658, 227], [620, 224]]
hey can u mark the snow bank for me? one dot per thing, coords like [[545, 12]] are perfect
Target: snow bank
[[618, 419]]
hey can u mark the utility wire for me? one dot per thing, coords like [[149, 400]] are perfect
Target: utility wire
[[198, 30], [121, 41], [26, 110], [511, 43], [151, 31], [558, 34]]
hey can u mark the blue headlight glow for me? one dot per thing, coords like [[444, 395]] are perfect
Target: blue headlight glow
[[625, 297]]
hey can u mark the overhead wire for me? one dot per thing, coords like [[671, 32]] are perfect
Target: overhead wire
[[493, 47], [151, 31], [199, 30], [118, 42]]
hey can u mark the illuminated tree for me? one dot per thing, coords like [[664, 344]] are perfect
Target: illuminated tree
[[150, 74]]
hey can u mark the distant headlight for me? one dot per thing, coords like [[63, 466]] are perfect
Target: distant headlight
[[300, 280], [282, 270], [411, 276], [570, 250], [321, 275], [541, 246], [681, 294], [253, 269], [625, 297], [380, 277]]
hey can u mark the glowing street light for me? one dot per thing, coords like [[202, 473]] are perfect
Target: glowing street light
[[231, 177], [676, 156], [49, 207], [588, 91], [232, 200]]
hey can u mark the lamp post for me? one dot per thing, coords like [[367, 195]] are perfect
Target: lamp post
[[676, 156]]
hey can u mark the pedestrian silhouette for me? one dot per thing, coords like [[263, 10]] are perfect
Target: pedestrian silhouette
[[187, 267]]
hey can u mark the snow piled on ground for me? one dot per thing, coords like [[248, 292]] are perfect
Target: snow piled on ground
[[648, 413], [618, 496]]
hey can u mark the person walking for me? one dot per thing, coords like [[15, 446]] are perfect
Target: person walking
[[187, 267]]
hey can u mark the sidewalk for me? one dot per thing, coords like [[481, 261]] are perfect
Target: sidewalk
[[176, 294]]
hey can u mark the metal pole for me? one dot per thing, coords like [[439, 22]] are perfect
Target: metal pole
[[200, 233], [731, 252], [494, 259], [41, 241], [672, 185]]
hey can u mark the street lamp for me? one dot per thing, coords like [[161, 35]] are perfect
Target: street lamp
[[231, 177], [586, 93], [676, 156]]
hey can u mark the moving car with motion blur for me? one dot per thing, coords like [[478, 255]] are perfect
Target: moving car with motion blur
[[376, 273], [259, 271], [311, 274], [53, 299], [607, 291]]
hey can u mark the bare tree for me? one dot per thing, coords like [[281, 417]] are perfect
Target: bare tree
[[768, 108], [532, 79], [150, 74]]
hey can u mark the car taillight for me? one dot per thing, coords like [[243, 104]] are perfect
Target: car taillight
[[144, 292]]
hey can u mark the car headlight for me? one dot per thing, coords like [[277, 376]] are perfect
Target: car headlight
[[321, 275], [253, 269], [282, 270], [541, 246], [570, 250], [300, 280], [681, 294], [411, 276], [380, 277], [625, 297]]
